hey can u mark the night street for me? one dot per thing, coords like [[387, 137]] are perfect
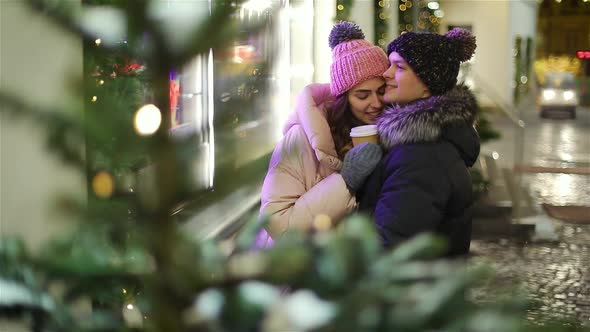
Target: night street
[[553, 270]]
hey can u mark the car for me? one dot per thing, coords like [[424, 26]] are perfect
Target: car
[[558, 97]]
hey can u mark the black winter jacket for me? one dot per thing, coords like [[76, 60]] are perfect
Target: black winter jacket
[[423, 184]]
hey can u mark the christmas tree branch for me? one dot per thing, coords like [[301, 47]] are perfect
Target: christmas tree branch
[[68, 15], [65, 135], [63, 13]]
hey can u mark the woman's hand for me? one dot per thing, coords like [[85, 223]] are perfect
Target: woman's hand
[[359, 162], [319, 92]]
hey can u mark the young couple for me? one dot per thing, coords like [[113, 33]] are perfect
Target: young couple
[[417, 180]]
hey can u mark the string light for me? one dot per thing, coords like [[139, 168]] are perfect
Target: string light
[[103, 184], [322, 222], [381, 25], [402, 7], [132, 315], [433, 5], [340, 7], [147, 120], [94, 99], [101, 82], [98, 41]]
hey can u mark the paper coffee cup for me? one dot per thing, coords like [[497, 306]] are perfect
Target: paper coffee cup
[[363, 134]]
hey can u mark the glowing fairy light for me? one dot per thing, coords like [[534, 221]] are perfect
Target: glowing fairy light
[[322, 222], [147, 120], [132, 316], [433, 5], [103, 184], [94, 99], [98, 42]]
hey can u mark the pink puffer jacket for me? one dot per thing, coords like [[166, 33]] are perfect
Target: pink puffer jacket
[[303, 177]]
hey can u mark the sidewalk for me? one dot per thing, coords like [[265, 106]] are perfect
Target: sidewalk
[[546, 251]]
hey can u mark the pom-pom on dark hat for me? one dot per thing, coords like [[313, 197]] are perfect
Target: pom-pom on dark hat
[[435, 58]]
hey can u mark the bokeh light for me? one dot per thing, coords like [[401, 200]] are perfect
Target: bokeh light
[[322, 222], [147, 120], [103, 184]]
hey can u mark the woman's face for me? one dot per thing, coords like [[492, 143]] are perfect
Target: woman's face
[[366, 99], [402, 84]]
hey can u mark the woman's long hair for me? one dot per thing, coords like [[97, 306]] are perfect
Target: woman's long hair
[[341, 120]]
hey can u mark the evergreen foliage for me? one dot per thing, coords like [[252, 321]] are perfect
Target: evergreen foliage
[[136, 271], [343, 8]]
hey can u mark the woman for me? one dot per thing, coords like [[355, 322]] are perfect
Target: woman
[[307, 177], [423, 183]]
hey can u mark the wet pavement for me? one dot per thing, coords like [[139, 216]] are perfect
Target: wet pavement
[[546, 141], [559, 189], [555, 274]]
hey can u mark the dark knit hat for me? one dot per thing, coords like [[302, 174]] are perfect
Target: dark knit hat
[[435, 58]]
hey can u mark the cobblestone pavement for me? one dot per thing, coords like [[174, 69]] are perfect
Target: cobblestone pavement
[[556, 275]]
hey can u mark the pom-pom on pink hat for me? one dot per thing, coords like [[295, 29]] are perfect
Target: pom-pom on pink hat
[[354, 59]]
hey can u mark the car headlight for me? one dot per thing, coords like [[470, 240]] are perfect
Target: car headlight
[[569, 95], [548, 94]]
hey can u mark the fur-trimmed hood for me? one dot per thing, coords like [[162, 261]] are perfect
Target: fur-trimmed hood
[[449, 116]]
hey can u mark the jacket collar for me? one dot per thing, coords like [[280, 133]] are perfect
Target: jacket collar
[[449, 116]]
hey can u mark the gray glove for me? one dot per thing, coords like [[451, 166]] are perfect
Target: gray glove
[[359, 162]]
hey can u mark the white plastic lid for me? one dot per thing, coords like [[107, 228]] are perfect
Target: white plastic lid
[[361, 131]]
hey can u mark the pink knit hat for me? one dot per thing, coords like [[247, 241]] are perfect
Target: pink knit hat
[[354, 59]]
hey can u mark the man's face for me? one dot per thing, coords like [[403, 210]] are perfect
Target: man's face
[[402, 85]]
